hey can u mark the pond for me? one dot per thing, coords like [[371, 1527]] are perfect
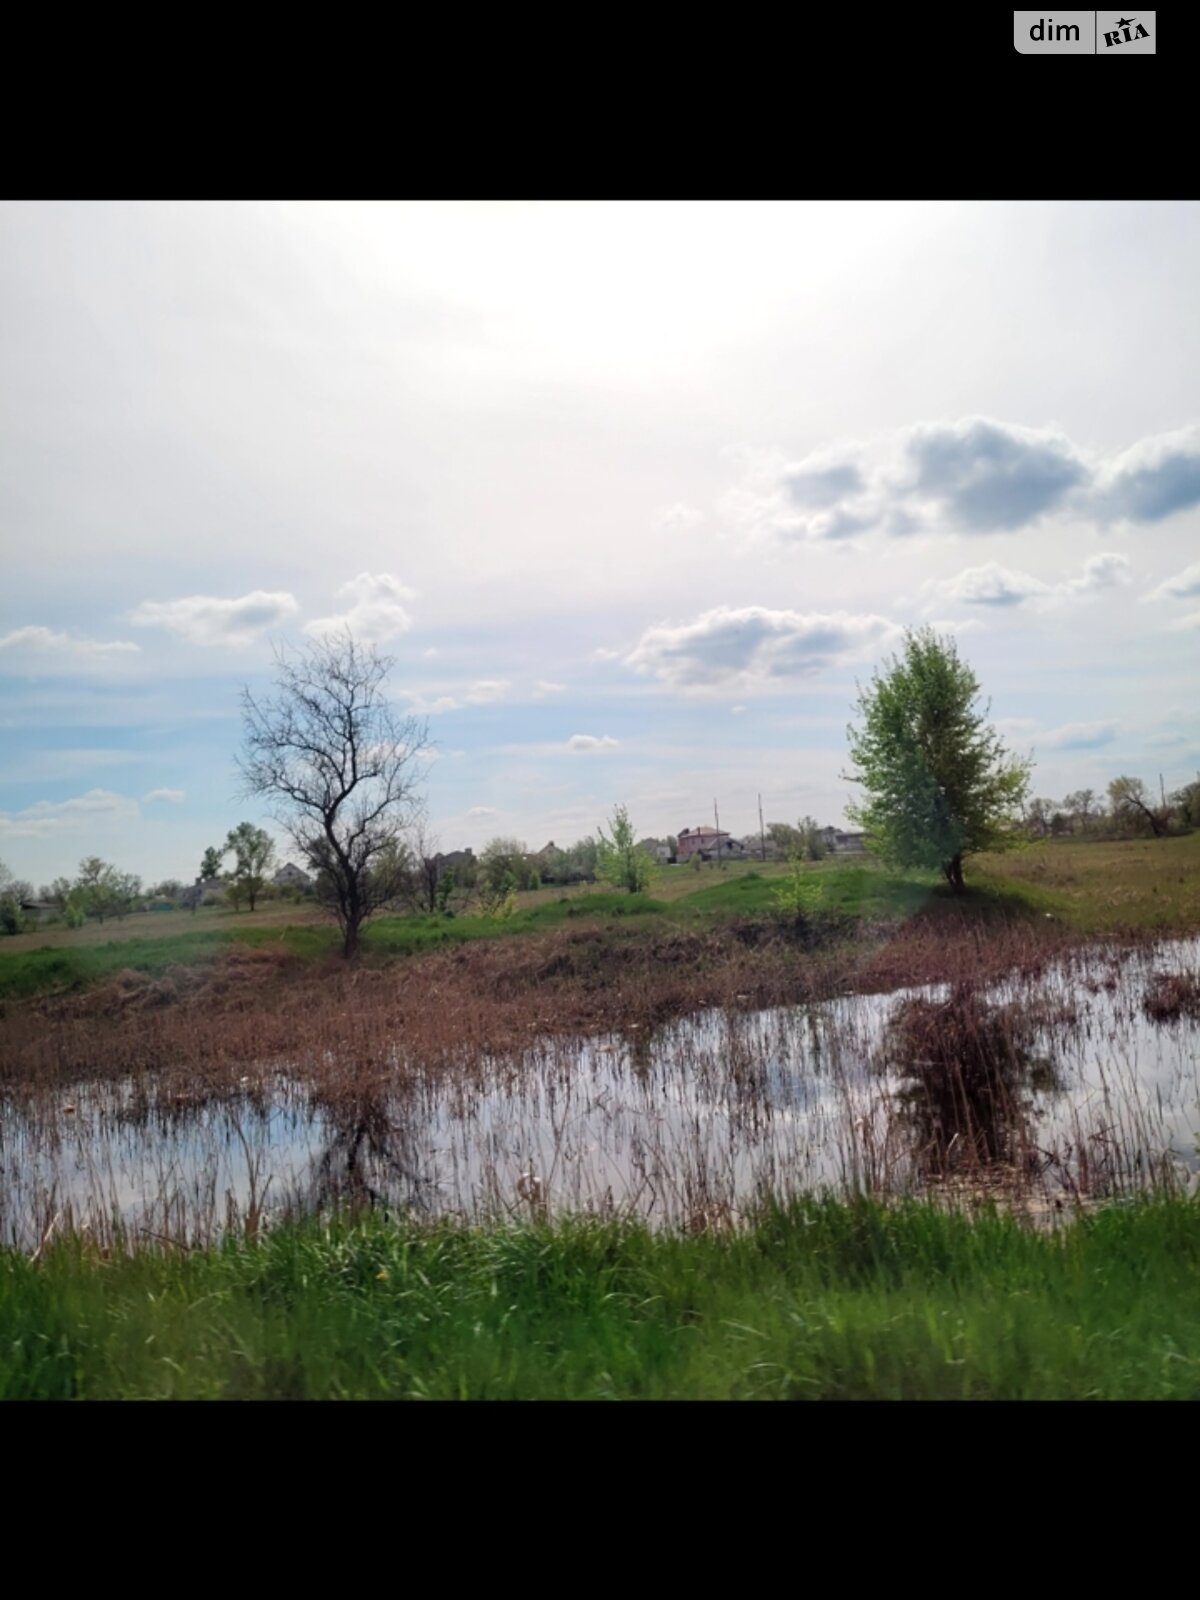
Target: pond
[[1047, 1091]]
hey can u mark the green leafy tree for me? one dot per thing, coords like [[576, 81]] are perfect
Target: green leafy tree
[[253, 852], [210, 866], [799, 897], [784, 837], [503, 867], [620, 860], [96, 891], [1187, 803], [940, 785], [126, 892], [810, 837], [12, 892], [581, 858]]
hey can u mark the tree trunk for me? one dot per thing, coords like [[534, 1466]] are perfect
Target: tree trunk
[[954, 874]]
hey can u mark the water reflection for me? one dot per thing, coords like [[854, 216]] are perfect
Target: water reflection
[[1061, 1081]]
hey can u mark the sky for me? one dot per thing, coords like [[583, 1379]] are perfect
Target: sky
[[634, 494]]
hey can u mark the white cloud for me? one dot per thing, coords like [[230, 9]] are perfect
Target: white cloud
[[48, 817], [754, 646], [737, 710], [172, 796], [1153, 479], [210, 620], [984, 476], [1078, 736], [543, 689], [1185, 624], [989, 585], [1105, 571], [975, 475], [994, 585], [486, 691], [42, 640], [1182, 586], [482, 811], [373, 609], [589, 742]]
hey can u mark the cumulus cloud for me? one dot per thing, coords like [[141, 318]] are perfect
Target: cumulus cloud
[[543, 689], [482, 811], [172, 796], [1078, 736], [210, 620], [44, 640], [589, 741], [753, 645], [988, 476], [994, 585], [825, 495], [483, 692], [486, 690], [1182, 586], [373, 609], [1106, 571], [1153, 479], [47, 817], [989, 585], [975, 475], [1185, 624]]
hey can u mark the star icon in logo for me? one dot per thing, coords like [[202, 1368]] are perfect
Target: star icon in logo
[[1126, 22]]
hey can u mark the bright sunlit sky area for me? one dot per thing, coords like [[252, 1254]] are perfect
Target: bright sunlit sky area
[[633, 493]]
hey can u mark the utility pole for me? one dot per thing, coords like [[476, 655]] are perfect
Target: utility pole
[[762, 836], [1162, 793], [717, 841]]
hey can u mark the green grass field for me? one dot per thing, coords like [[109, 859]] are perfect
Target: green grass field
[[1093, 888], [822, 1300]]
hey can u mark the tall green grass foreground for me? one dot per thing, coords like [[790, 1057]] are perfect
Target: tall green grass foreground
[[821, 1300]]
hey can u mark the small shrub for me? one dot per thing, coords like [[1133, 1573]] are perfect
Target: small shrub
[[1172, 995], [800, 896]]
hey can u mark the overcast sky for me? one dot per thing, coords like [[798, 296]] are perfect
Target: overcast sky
[[633, 493]]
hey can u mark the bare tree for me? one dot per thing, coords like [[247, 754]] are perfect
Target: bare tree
[[342, 769], [1128, 797]]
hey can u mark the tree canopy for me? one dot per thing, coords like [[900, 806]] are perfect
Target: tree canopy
[[939, 783]]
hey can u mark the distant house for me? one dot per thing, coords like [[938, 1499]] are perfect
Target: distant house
[[838, 842], [765, 849], [291, 876], [657, 849], [37, 910], [208, 889], [456, 860], [710, 844]]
